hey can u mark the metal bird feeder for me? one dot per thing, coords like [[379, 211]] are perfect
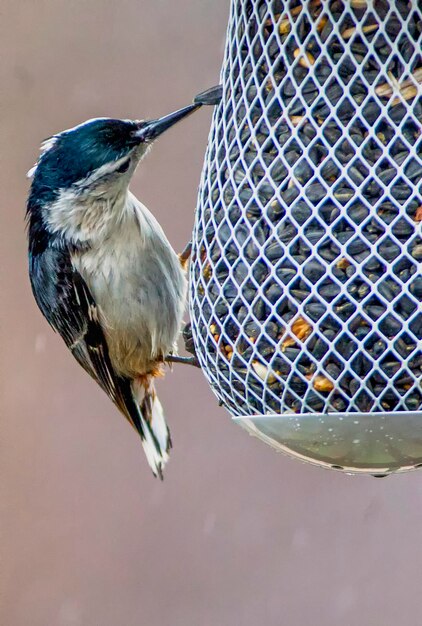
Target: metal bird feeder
[[306, 282]]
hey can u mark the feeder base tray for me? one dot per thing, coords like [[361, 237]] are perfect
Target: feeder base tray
[[357, 443]]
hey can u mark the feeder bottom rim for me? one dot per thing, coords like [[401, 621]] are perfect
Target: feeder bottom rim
[[340, 416]]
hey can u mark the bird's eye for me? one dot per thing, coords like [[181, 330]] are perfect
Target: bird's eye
[[123, 167]]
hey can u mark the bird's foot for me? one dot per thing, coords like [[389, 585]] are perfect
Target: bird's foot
[[189, 347], [187, 360], [188, 339], [184, 256]]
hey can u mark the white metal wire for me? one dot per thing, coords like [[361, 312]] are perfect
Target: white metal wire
[[306, 280]]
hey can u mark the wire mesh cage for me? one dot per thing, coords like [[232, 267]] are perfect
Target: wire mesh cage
[[306, 280]]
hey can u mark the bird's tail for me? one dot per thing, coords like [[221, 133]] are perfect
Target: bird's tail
[[154, 431]]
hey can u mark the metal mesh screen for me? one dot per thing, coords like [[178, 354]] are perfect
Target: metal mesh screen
[[306, 281]]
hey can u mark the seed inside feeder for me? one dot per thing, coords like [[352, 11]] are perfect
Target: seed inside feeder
[[321, 383]]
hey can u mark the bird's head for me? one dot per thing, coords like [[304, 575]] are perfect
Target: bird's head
[[90, 164], [99, 152]]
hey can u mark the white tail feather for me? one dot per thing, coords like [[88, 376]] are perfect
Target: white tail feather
[[159, 426], [156, 458], [156, 441]]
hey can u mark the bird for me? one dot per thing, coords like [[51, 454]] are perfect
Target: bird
[[101, 268]]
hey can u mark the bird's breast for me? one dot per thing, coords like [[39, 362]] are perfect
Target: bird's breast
[[139, 286]]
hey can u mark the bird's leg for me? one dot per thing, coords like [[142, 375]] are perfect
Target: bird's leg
[[184, 256], [189, 347], [187, 360]]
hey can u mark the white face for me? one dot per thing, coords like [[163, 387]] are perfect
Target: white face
[[112, 178], [94, 204]]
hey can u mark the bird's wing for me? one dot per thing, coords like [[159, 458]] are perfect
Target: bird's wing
[[67, 304]]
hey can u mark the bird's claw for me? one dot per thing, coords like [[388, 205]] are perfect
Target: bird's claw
[[184, 256], [187, 360]]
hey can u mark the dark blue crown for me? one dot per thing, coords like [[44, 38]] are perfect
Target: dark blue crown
[[76, 153]]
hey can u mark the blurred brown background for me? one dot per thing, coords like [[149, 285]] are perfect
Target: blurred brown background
[[236, 534]]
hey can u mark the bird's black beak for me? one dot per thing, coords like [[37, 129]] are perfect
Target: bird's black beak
[[148, 131], [152, 129]]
